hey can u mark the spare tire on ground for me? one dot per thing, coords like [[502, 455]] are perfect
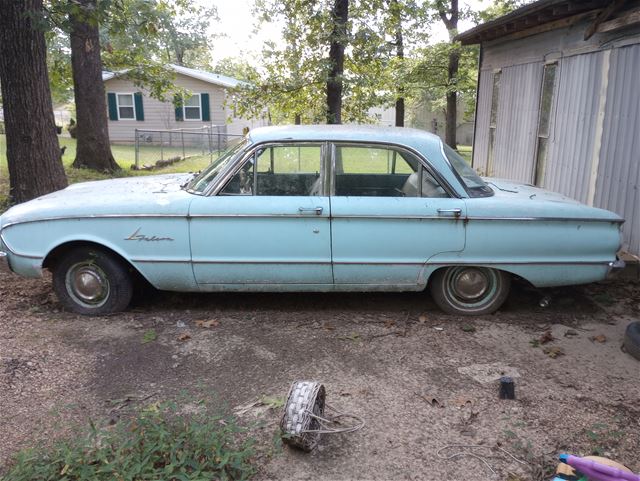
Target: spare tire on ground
[[632, 340]]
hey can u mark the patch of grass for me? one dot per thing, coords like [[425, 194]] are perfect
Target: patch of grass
[[272, 402], [466, 152], [149, 336], [156, 444]]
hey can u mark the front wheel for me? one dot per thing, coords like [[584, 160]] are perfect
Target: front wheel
[[92, 282], [470, 290]]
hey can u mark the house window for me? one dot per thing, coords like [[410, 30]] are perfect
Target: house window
[[193, 108], [493, 120], [126, 107], [546, 104]]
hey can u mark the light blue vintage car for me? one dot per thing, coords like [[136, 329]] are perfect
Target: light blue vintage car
[[312, 208]]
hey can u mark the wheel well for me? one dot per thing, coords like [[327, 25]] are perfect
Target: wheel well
[[513, 276], [56, 254]]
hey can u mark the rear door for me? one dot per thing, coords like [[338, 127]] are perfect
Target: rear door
[[389, 215]]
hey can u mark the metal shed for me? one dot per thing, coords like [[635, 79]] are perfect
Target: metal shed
[[559, 102]]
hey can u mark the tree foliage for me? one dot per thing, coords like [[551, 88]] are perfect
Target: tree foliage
[[139, 36]]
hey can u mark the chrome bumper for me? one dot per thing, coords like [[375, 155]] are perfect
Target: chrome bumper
[[4, 262], [615, 267]]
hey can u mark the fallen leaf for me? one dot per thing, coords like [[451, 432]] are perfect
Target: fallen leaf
[[431, 400], [329, 327], [422, 319], [553, 352], [462, 402], [601, 338], [354, 336], [468, 328], [184, 337], [389, 323], [546, 337], [207, 324]]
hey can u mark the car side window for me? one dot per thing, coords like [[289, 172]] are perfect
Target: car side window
[[379, 171], [289, 170]]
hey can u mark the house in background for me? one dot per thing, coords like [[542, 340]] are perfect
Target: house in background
[[130, 107], [559, 102]]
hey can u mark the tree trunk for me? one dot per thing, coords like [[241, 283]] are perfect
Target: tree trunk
[[399, 42], [33, 152], [93, 150], [297, 119], [451, 22], [339, 14], [452, 101]]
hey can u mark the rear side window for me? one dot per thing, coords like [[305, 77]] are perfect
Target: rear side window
[[378, 171]]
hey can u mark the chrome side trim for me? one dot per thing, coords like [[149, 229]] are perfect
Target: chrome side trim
[[164, 261], [312, 216], [240, 261], [524, 263], [613, 265], [94, 216], [550, 219]]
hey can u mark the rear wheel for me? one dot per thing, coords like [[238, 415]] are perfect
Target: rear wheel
[[470, 290], [92, 282]]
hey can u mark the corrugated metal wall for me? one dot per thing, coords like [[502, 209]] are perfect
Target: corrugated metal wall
[[481, 135], [517, 122], [573, 127], [618, 184]]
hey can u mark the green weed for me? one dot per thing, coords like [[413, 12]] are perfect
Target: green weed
[[157, 444]]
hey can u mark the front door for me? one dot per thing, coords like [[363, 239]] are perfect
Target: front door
[[389, 216], [268, 226]]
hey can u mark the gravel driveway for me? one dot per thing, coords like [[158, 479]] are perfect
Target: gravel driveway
[[421, 380]]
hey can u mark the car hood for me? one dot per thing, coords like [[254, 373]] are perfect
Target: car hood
[[161, 194], [516, 199]]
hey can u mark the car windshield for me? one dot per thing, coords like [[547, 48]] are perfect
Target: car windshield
[[200, 183], [475, 186]]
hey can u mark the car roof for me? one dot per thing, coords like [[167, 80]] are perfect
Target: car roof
[[357, 133]]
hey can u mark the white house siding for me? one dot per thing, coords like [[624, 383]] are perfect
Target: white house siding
[[618, 183], [161, 115], [594, 144]]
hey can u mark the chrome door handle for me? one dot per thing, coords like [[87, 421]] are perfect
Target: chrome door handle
[[317, 210], [456, 212]]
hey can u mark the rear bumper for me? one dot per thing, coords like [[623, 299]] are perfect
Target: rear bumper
[[615, 267], [4, 262]]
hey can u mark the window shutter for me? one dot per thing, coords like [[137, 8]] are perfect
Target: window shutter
[[137, 100], [204, 101], [177, 101], [113, 107]]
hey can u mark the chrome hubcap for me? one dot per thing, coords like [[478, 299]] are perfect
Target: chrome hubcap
[[470, 284], [87, 284]]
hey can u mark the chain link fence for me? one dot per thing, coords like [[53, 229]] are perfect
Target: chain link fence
[[157, 148]]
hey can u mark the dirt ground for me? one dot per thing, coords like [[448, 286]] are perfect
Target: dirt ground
[[421, 380]]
